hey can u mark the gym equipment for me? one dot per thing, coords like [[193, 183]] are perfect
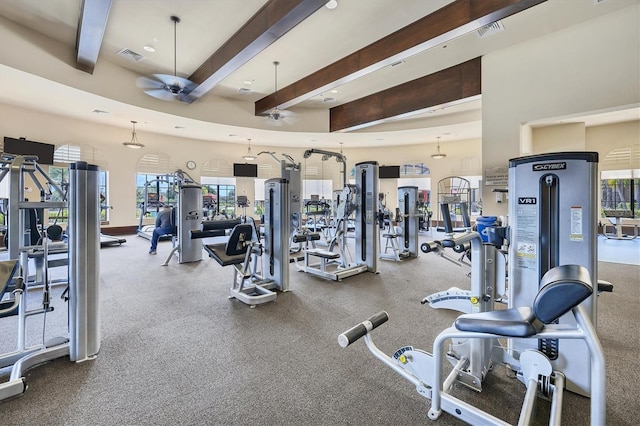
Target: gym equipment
[[291, 171], [615, 218], [493, 265], [151, 199], [553, 217], [562, 290], [454, 190], [83, 341], [243, 250], [407, 217], [188, 217], [361, 197]]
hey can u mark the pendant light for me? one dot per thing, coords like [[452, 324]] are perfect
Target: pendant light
[[133, 143], [438, 155], [249, 156]]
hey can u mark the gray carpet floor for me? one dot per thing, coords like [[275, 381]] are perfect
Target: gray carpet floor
[[176, 350]]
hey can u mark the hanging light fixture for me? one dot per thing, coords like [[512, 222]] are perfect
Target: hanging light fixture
[[133, 143], [275, 113], [249, 156], [438, 155]]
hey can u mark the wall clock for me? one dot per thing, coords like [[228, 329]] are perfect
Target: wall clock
[[191, 165]]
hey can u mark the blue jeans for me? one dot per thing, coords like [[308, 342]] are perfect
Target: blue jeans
[[157, 233]]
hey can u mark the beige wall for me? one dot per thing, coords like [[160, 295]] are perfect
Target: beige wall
[[582, 69], [463, 157]]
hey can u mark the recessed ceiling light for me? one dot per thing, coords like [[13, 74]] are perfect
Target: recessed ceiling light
[[334, 91], [149, 48], [248, 82], [332, 4]]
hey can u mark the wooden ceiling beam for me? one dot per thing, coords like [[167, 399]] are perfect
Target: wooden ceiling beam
[[452, 84], [92, 23], [441, 26], [270, 23]]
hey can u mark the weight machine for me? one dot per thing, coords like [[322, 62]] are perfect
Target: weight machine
[[407, 217], [493, 267], [549, 326], [291, 172], [244, 251], [83, 340], [360, 198]]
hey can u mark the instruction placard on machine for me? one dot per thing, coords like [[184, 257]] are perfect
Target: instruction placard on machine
[[527, 246]]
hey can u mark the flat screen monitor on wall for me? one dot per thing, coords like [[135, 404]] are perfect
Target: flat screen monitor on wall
[[389, 172], [44, 151], [245, 170]]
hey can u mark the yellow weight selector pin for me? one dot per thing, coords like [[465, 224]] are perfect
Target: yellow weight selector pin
[[402, 359], [474, 300]]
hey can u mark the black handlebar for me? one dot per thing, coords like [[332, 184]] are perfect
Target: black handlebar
[[356, 332]]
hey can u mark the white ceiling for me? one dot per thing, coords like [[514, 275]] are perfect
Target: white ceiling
[[225, 115]]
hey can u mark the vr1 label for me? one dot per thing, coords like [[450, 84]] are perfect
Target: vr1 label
[[527, 200], [549, 166]]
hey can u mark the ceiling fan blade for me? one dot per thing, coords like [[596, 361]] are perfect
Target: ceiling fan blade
[[170, 80], [161, 94], [148, 83]]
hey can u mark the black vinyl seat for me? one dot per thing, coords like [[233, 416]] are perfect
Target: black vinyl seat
[[234, 251], [562, 288]]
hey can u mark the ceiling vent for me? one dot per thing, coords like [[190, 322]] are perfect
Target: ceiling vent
[[493, 28], [328, 100], [245, 91], [130, 54]]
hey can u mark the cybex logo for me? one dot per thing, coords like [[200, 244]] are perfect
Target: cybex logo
[[527, 200], [549, 166]]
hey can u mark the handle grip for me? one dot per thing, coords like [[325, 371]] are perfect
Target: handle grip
[[356, 332], [461, 248], [429, 246]]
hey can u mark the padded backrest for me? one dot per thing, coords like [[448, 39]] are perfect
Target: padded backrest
[[240, 236], [562, 288]]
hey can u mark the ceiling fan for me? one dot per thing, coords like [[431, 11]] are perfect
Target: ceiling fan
[[275, 115], [168, 87]]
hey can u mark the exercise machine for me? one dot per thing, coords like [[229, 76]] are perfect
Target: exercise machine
[[244, 250], [83, 340], [549, 326], [562, 289], [492, 264], [407, 217], [553, 219], [291, 172], [188, 219], [360, 198]]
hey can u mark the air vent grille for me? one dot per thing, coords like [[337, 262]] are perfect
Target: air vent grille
[[245, 91], [493, 28], [130, 54]]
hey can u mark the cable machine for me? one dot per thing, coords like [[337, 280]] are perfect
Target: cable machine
[[83, 340], [360, 198]]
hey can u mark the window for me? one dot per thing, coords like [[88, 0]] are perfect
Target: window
[[153, 191], [60, 175], [258, 204], [223, 191], [620, 193]]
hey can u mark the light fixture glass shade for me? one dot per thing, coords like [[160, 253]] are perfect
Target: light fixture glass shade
[[438, 155], [249, 156], [133, 143]]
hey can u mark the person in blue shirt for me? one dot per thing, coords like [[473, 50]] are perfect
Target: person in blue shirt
[[164, 225]]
